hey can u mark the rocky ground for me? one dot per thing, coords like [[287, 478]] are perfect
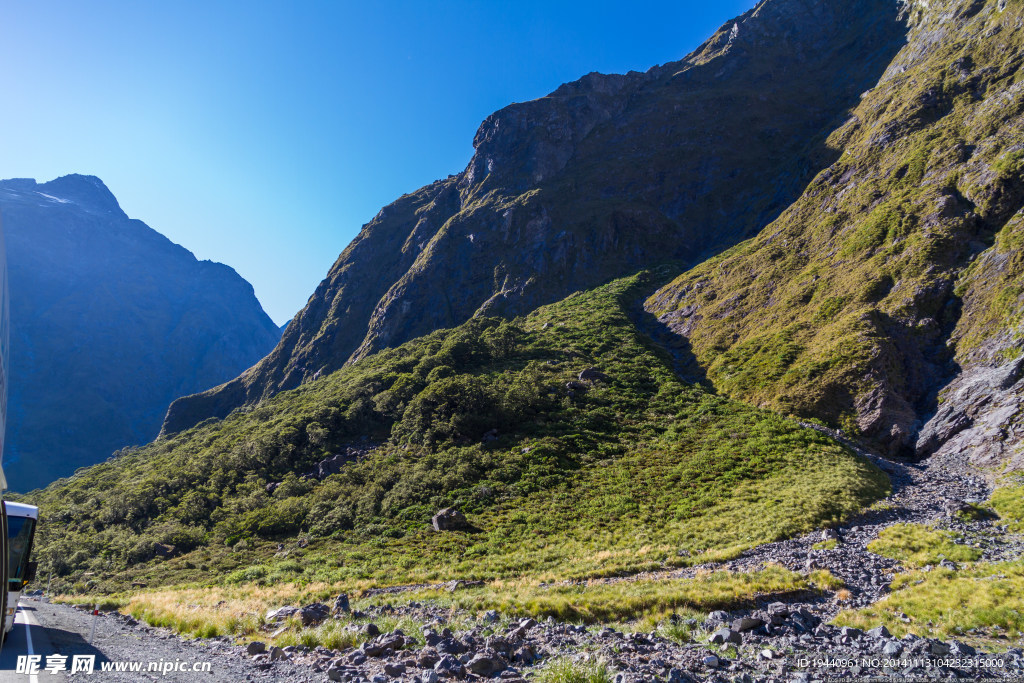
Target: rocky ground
[[780, 641]]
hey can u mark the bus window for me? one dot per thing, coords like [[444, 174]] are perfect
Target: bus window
[[19, 531]]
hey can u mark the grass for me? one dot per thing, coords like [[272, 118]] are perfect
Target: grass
[[620, 601], [672, 607], [240, 611], [830, 544], [982, 601], [105, 603], [565, 670], [824, 580], [1008, 503], [636, 473], [916, 545]]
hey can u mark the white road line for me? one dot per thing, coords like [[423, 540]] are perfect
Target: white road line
[[27, 616]]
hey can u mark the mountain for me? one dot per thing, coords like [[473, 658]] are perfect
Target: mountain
[[886, 299], [110, 322], [604, 176], [628, 454]]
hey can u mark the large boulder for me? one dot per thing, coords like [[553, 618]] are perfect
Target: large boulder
[[593, 375], [312, 615], [450, 519], [486, 663]]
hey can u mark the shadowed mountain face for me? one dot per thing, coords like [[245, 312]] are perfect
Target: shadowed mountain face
[[607, 174], [110, 322]]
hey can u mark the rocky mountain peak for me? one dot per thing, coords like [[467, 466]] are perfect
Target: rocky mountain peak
[[605, 175]]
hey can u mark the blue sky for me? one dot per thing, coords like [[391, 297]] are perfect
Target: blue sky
[[264, 134]]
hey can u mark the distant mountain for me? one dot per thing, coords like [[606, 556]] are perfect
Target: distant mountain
[[110, 322], [604, 176]]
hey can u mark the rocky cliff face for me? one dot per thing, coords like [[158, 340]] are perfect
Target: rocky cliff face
[[607, 174], [887, 297], [110, 322]]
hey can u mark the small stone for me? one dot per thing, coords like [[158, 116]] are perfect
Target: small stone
[[725, 635], [491, 616], [255, 648], [879, 632], [313, 614], [449, 667], [281, 613], [717, 617], [711, 662], [746, 624], [394, 668], [767, 654], [851, 632]]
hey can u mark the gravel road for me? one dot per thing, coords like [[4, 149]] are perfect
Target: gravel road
[[58, 629]]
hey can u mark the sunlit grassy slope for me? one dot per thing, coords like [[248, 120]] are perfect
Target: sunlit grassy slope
[[984, 601], [630, 473]]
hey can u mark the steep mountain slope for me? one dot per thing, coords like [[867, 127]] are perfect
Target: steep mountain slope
[[848, 306], [604, 176], [110, 322]]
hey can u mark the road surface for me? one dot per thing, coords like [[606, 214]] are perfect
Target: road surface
[[121, 651]]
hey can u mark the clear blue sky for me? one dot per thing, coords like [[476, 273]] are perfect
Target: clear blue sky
[[264, 134]]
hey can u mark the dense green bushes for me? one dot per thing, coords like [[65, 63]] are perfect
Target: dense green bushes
[[485, 417]]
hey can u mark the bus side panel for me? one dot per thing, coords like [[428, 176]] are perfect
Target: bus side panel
[[5, 573]]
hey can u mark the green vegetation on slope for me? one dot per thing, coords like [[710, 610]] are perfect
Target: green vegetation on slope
[[842, 307], [984, 600], [1008, 503], [629, 473], [916, 545]]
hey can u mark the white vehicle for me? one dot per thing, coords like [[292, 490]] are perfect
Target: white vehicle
[[5, 338], [21, 531]]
